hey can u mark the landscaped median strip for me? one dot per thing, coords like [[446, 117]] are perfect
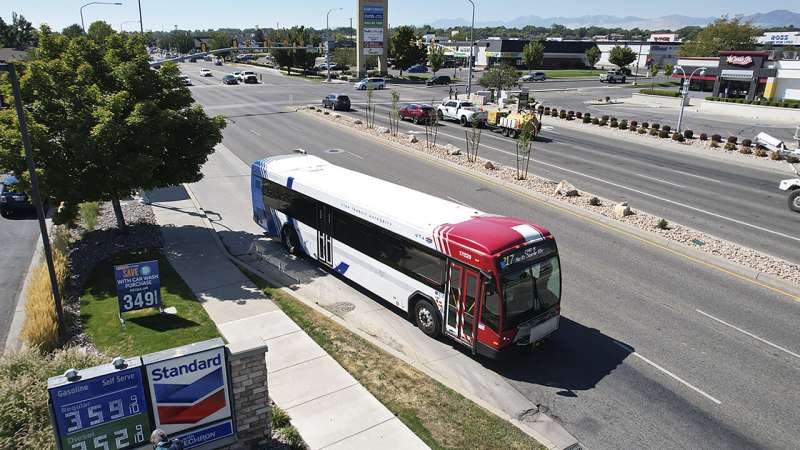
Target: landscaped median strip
[[441, 417], [744, 262]]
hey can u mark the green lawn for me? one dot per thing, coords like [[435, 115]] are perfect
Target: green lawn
[[147, 330]]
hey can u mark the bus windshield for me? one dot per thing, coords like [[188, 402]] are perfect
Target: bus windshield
[[531, 290]]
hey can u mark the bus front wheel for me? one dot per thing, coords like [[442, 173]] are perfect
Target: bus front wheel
[[426, 318], [290, 240]]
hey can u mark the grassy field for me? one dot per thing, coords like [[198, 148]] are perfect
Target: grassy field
[[146, 330], [440, 416]]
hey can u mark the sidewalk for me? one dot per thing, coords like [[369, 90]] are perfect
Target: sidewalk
[[224, 195], [327, 405]]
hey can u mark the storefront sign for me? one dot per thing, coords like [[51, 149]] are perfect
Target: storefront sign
[[739, 60], [102, 407], [190, 392], [138, 286]]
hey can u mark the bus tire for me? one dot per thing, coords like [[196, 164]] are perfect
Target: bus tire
[[290, 240], [426, 318], [794, 200]]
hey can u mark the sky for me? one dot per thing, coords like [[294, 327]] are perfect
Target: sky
[[205, 14]]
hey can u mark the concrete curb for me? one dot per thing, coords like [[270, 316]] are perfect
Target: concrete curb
[[719, 263], [279, 279]]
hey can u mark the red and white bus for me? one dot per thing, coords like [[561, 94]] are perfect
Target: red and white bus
[[491, 283]]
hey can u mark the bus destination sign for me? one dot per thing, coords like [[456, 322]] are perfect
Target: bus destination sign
[[103, 407], [526, 254]]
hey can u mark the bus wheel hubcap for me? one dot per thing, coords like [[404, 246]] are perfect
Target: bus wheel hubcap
[[797, 202], [425, 318]]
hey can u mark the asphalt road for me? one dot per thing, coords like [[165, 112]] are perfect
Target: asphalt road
[[654, 350], [17, 239], [728, 200]]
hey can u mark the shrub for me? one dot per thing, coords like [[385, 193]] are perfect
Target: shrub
[[761, 153], [608, 99], [24, 416], [662, 224], [547, 110], [571, 113], [540, 108], [661, 92], [775, 156], [703, 137], [642, 130], [594, 201], [743, 150], [614, 119], [716, 138], [280, 418], [586, 119], [732, 139], [688, 134], [613, 124], [40, 328], [655, 126], [663, 134], [732, 146], [747, 142], [291, 436], [88, 213], [603, 122], [634, 124], [653, 132], [605, 118], [587, 115], [595, 121], [579, 115], [562, 114], [666, 128], [554, 112], [676, 136], [645, 125], [623, 125]]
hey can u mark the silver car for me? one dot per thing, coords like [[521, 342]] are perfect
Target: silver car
[[533, 76]]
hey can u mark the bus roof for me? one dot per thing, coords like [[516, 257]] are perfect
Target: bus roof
[[423, 218]]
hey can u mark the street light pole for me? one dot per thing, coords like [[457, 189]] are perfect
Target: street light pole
[[37, 198], [328, 42], [471, 47], [685, 89], [95, 3], [638, 59], [141, 25]]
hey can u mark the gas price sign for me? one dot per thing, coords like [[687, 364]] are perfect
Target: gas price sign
[[103, 407], [138, 286]]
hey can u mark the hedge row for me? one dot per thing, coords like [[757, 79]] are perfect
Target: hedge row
[[795, 104], [661, 92]]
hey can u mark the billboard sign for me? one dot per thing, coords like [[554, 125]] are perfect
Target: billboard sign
[[138, 286], [102, 407], [190, 392], [373, 16]]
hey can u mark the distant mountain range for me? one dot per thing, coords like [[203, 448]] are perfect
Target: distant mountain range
[[777, 18]]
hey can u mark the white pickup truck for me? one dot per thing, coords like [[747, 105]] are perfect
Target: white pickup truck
[[461, 111]]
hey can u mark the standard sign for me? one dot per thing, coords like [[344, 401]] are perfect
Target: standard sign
[[138, 286], [190, 394], [103, 408]]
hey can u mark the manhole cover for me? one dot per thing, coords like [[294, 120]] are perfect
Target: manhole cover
[[334, 150], [340, 308]]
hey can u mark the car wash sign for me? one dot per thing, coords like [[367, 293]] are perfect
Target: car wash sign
[[103, 407], [190, 394], [138, 286]]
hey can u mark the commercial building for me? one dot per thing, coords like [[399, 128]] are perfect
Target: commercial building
[[488, 52], [749, 75], [648, 53]]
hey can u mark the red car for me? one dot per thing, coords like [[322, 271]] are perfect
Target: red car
[[416, 113]]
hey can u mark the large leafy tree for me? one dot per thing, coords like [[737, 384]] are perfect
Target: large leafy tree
[[103, 123], [592, 56], [499, 78], [17, 34], [406, 48], [532, 54], [436, 58], [621, 56], [72, 31], [723, 34]]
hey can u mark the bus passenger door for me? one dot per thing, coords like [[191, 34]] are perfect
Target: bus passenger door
[[324, 230], [462, 294]]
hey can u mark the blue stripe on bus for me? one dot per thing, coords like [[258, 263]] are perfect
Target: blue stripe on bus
[[342, 267], [289, 182]]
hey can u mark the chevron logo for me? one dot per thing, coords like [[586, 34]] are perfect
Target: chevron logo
[[190, 403]]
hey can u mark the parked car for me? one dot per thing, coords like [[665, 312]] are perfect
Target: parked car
[[439, 79], [417, 68], [612, 76], [230, 79], [186, 80], [250, 78], [11, 198], [416, 113], [374, 83], [533, 76], [461, 111], [218, 61], [336, 102], [206, 72]]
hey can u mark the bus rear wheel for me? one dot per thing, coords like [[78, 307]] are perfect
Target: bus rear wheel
[[290, 240], [426, 318]]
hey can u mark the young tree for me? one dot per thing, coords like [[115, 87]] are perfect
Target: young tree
[[405, 48], [592, 56], [499, 78], [668, 69], [621, 56], [103, 123], [653, 71], [436, 58], [532, 54], [723, 34]]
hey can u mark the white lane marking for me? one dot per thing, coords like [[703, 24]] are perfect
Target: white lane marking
[[660, 180], [692, 175], [667, 372], [255, 132], [749, 334], [353, 154], [459, 202]]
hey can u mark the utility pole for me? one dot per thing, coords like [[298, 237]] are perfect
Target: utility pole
[[471, 48]]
